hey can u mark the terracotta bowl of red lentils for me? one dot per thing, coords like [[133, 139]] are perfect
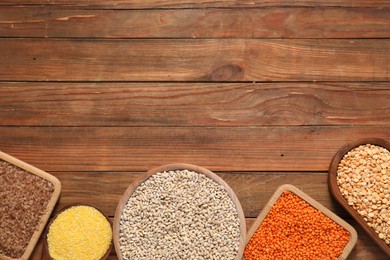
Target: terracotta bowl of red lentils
[[68, 235], [292, 225], [179, 211], [359, 179]]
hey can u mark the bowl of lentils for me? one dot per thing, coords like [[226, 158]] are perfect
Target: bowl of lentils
[[359, 179], [179, 211], [292, 225]]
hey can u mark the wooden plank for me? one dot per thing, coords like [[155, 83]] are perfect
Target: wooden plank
[[196, 23], [127, 4], [194, 60], [217, 148], [190, 104], [37, 252]]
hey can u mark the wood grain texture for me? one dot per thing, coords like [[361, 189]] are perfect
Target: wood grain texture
[[216, 148], [316, 22], [138, 84], [138, 4], [190, 104], [194, 60], [37, 253]]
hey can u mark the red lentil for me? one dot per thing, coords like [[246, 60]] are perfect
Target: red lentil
[[293, 229]]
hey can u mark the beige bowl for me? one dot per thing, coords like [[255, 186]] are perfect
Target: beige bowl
[[178, 166]]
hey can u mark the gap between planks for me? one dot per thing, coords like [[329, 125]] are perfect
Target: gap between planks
[[156, 4]]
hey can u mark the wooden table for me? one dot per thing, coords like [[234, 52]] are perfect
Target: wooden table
[[261, 92]]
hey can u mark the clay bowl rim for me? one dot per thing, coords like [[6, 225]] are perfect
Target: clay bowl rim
[[335, 191], [179, 166], [46, 254]]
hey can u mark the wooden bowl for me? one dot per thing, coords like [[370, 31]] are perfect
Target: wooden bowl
[[178, 166], [335, 191], [50, 206], [287, 187], [45, 252]]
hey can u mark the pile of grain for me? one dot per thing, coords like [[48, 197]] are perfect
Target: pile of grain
[[293, 229], [80, 232], [179, 215], [23, 201], [363, 176]]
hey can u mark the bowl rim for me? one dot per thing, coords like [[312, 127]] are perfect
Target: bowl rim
[[335, 191], [315, 204], [171, 167], [45, 250]]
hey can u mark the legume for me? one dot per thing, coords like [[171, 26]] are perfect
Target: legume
[[363, 176], [79, 233], [293, 229], [179, 215]]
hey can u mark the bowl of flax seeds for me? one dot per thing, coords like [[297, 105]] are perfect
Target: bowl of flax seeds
[[27, 198]]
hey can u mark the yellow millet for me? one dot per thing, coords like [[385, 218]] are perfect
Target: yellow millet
[[79, 233]]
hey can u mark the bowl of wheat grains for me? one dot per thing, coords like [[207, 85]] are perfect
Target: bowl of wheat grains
[[178, 211]]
